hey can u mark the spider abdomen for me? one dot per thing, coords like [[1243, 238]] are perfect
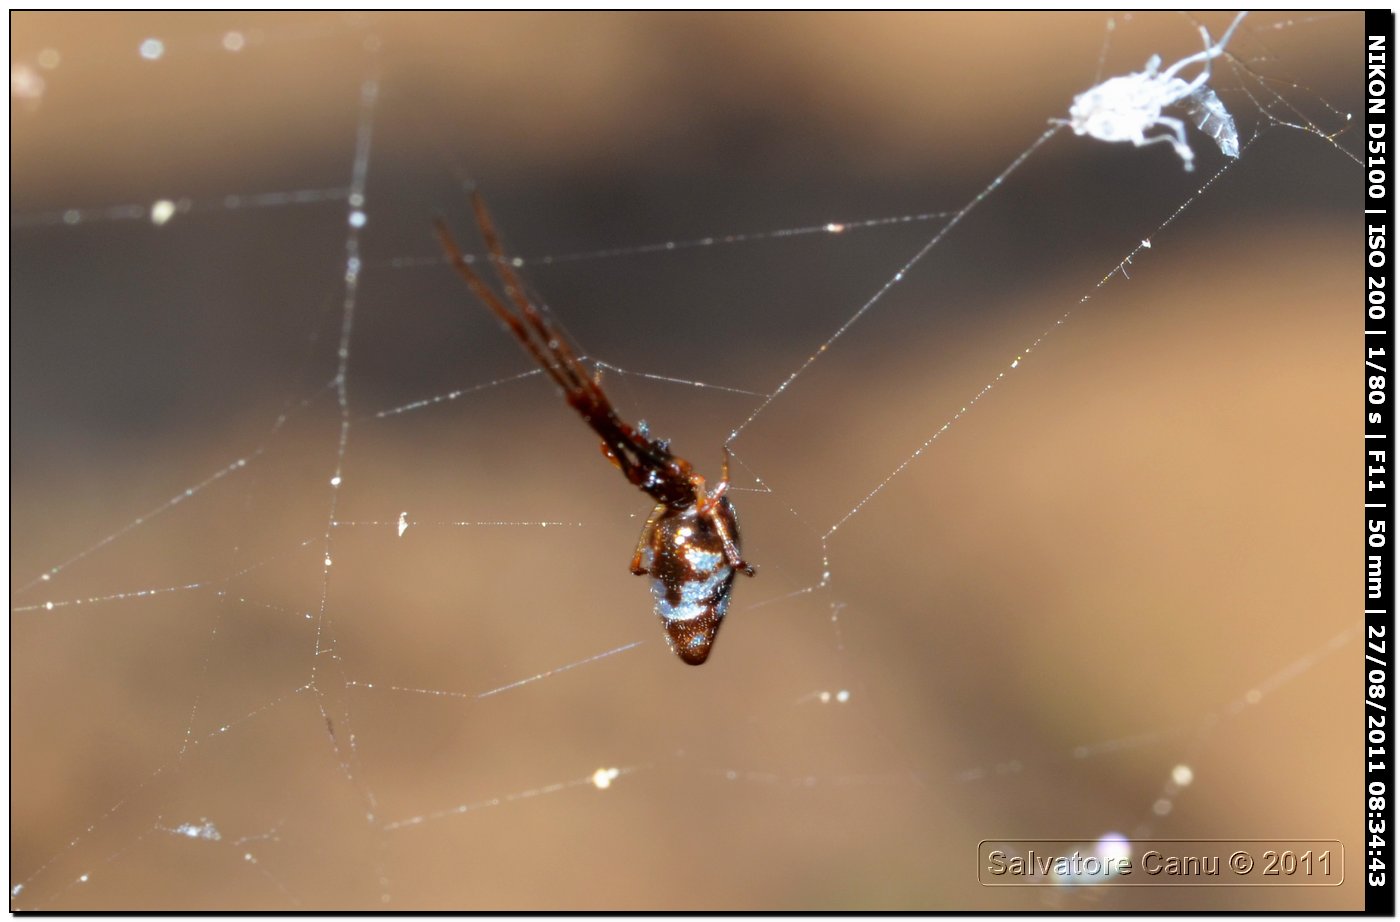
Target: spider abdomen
[[684, 553]]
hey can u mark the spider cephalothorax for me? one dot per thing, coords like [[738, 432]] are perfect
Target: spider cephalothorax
[[690, 543]]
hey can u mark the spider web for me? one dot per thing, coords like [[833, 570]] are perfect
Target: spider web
[[1041, 445]]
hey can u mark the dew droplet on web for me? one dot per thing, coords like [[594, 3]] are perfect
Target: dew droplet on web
[[603, 777], [152, 49], [201, 830], [161, 212], [1183, 775], [233, 41]]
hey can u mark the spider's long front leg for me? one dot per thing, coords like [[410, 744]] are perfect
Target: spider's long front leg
[[641, 460], [488, 298], [553, 342]]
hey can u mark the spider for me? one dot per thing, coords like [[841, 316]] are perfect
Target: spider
[[690, 543], [1124, 108]]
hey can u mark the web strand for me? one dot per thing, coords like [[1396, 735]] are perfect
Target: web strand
[[898, 276]]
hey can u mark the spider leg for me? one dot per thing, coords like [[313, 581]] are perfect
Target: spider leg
[[558, 346], [645, 463], [711, 505], [712, 499], [706, 502], [487, 297], [731, 550]]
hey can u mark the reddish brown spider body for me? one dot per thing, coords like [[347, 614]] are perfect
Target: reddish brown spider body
[[690, 543]]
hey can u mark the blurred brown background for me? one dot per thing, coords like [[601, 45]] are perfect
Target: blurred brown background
[[1137, 552]]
